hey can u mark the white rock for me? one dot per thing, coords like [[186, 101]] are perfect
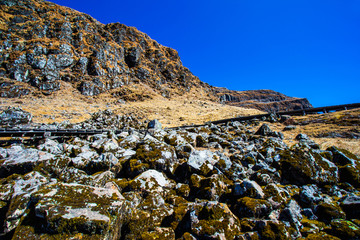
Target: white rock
[[199, 158], [152, 180]]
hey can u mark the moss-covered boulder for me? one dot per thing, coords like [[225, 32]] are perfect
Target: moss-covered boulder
[[271, 230], [84, 157], [310, 194], [21, 160], [144, 220], [151, 155], [349, 165], [251, 207], [210, 188], [173, 138], [75, 208], [16, 191], [104, 144], [345, 229], [327, 211], [248, 188], [202, 162], [321, 236], [311, 226], [351, 206], [301, 166], [292, 214], [213, 220], [159, 233], [276, 194], [151, 181]]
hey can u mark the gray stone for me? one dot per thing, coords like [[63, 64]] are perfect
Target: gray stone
[[202, 161], [22, 160], [351, 206], [292, 213], [310, 194], [302, 136], [18, 192], [155, 125], [248, 188], [102, 211], [14, 116]]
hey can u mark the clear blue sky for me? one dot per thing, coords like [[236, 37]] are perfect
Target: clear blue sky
[[302, 48]]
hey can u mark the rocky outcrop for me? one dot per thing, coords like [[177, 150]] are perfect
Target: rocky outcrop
[[43, 44], [14, 116], [265, 100], [209, 182]]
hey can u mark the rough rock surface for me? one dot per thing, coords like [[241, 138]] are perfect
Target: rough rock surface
[[265, 100], [43, 44], [208, 182], [14, 116]]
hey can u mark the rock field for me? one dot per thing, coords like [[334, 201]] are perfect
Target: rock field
[[210, 182]]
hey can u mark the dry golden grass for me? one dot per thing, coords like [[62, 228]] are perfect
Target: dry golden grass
[[69, 104], [314, 125], [192, 108]]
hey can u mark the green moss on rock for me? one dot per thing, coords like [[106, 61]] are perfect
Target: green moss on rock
[[345, 229], [321, 236], [251, 207], [301, 166], [273, 231], [215, 219], [329, 211]]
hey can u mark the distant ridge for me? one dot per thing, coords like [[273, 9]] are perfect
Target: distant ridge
[[265, 100]]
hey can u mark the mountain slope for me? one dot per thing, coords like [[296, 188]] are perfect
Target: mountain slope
[[45, 48], [264, 100], [43, 44]]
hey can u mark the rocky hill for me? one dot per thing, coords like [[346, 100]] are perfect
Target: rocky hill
[[44, 46], [264, 100]]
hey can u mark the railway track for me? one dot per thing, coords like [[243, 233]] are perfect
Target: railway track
[[6, 132]]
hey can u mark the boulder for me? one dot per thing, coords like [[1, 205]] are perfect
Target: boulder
[[202, 161], [251, 207], [213, 220], [211, 188], [292, 213], [265, 130], [22, 160], [272, 230], [310, 194], [351, 206], [301, 167], [248, 188], [17, 191], [14, 116], [155, 125], [151, 154], [151, 181], [75, 208], [349, 166], [327, 211], [345, 229]]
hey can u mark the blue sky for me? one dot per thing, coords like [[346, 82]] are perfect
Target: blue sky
[[302, 48]]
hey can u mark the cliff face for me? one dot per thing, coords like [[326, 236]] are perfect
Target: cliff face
[[43, 44], [265, 100]]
